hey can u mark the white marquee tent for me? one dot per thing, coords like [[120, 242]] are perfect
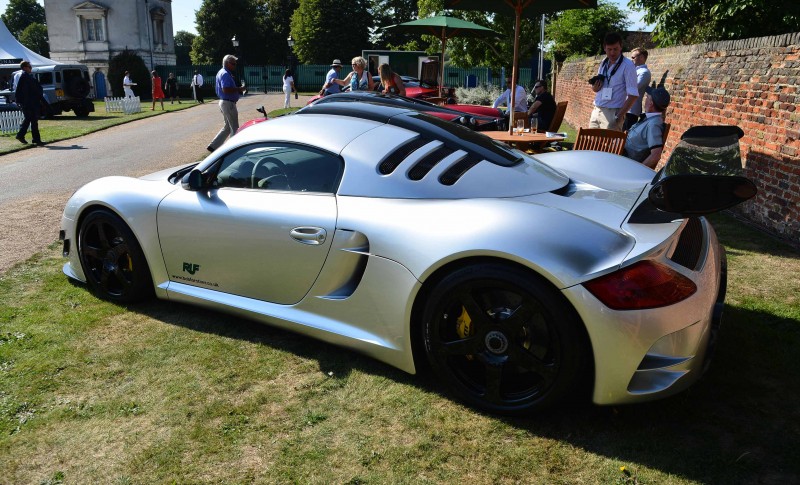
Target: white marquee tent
[[12, 52]]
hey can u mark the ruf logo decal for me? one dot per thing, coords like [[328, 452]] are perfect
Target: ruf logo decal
[[191, 268]]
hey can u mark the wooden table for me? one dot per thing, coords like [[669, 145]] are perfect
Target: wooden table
[[525, 138]]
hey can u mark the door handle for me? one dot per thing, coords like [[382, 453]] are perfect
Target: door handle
[[309, 235]]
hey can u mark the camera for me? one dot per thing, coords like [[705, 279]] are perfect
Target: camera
[[595, 79]]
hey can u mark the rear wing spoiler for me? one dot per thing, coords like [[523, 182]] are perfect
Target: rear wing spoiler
[[703, 175]]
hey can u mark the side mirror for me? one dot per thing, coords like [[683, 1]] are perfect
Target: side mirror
[[704, 173], [193, 180]]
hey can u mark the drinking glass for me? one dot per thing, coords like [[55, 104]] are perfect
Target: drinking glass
[[520, 127], [534, 124]]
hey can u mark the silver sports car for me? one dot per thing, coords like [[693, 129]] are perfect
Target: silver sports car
[[521, 281]]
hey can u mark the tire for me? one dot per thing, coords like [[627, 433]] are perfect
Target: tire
[[522, 348], [112, 259], [77, 87], [80, 112]]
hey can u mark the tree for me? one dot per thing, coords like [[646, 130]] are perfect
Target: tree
[[184, 38], [129, 61], [277, 18], [328, 29], [219, 20], [183, 47], [22, 13], [392, 12], [497, 51], [697, 21], [34, 37], [579, 33]]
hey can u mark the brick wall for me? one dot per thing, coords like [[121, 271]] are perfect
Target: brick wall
[[751, 83]]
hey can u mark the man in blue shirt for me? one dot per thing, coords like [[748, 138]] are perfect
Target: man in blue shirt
[[228, 93], [331, 87], [643, 75], [645, 140]]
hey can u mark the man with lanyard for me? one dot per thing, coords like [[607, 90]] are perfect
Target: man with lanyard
[[331, 87], [615, 86], [228, 93]]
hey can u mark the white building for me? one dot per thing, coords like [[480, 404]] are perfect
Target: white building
[[92, 33]]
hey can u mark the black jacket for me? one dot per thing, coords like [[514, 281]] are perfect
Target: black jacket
[[29, 92]]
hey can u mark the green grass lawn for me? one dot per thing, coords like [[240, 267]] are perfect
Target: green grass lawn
[[67, 125], [92, 392]]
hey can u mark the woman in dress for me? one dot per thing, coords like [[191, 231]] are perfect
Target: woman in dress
[[171, 87], [392, 82], [288, 87], [359, 79], [158, 93]]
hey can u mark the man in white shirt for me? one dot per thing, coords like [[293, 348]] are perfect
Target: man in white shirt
[[615, 86], [520, 98], [197, 83], [643, 76], [126, 85]]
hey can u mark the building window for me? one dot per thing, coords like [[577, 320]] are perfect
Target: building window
[[94, 30], [158, 31]]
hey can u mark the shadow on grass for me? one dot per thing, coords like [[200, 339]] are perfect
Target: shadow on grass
[[739, 424], [730, 231]]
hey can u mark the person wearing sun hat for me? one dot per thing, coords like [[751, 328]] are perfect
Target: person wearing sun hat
[[645, 140], [330, 87]]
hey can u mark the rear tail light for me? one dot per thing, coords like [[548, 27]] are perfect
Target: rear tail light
[[646, 284]]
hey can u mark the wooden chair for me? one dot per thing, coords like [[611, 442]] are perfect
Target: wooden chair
[[555, 124], [610, 141], [558, 117]]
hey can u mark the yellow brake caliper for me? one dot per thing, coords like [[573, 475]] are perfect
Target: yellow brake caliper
[[464, 326]]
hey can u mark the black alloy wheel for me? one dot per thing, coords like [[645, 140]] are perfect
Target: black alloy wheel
[[504, 340], [112, 259]]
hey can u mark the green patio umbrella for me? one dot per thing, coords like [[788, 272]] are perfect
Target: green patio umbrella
[[443, 27], [518, 8]]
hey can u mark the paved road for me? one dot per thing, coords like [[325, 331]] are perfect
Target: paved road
[[35, 183]]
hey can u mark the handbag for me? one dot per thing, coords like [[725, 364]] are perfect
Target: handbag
[[295, 95]]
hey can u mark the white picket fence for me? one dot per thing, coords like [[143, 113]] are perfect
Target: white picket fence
[[10, 121], [123, 105]]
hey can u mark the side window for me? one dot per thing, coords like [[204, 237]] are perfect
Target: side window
[[284, 167], [45, 78]]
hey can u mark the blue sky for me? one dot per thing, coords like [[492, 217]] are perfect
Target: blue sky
[[183, 14]]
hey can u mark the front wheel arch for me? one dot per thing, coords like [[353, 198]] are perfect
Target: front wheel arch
[[113, 262], [581, 391]]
